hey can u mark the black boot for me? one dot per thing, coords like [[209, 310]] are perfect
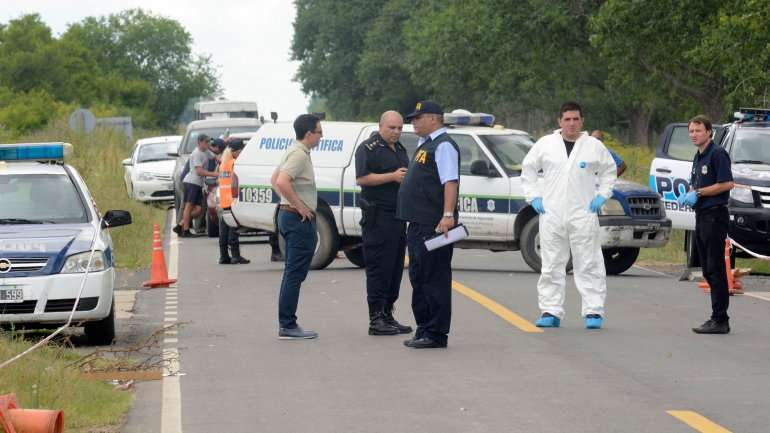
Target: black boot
[[377, 322], [237, 258], [402, 329], [224, 258]]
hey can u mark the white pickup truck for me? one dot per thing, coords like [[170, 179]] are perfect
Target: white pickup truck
[[491, 201]]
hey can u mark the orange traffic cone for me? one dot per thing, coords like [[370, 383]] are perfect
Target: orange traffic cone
[[730, 275], [13, 419], [158, 273]]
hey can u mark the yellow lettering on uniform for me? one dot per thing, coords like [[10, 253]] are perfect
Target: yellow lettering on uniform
[[421, 157]]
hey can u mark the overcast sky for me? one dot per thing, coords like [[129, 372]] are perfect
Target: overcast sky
[[249, 40]]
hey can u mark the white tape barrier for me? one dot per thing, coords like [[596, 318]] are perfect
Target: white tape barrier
[[751, 253]]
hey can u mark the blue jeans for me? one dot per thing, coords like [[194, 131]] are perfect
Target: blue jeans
[[300, 245]]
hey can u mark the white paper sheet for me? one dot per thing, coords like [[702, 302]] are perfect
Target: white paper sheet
[[454, 235]]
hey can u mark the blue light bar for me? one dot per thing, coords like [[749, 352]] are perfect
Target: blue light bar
[[34, 151], [462, 117]]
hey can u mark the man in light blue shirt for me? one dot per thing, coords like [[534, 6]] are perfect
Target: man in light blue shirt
[[427, 199]]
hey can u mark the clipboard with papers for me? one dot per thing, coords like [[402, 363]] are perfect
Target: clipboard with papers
[[459, 232]]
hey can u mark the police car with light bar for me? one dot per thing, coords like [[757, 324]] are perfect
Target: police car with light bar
[[747, 141], [491, 201], [49, 226]]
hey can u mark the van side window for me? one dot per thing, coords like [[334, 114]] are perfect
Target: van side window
[[469, 152], [680, 146]]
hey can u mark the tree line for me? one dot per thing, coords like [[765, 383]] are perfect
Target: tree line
[[636, 65], [130, 63]]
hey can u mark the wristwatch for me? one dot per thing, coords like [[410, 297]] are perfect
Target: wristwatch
[[449, 215], [697, 192]]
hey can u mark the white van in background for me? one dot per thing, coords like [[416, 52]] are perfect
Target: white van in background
[[224, 110]]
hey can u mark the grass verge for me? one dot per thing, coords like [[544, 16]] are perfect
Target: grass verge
[[638, 159], [97, 157], [44, 380]]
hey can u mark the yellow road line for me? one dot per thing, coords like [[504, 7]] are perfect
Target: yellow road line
[[697, 421], [491, 305]]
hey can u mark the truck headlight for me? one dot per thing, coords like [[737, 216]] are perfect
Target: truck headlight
[[742, 194], [612, 207], [77, 263], [144, 176]]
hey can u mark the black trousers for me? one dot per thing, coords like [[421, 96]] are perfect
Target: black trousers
[[384, 245], [228, 237], [710, 234], [430, 273]]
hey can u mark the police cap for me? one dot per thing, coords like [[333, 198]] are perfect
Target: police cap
[[424, 107]]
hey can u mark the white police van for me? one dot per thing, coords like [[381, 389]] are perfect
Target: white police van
[[491, 201], [48, 226], [747, 140]]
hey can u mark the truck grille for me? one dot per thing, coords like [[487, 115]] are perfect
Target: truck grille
[[644, 207], [26, 264], [764, 196]]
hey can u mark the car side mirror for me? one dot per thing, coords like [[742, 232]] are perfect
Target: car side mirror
[[127, 162], [115, 218], [480, 168]]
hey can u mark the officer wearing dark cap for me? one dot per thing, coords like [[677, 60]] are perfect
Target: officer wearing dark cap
[[381, 163], [427, 199]]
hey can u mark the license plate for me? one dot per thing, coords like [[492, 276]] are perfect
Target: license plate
[[11, 295], [249, 194]]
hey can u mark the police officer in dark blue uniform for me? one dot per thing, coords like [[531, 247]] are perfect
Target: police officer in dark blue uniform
[[428, 201], [711, 181], [381, 163]]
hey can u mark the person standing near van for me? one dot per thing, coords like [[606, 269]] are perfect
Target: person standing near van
[[577, 178], [428, 201], [381, 163], [294, 180], [711, 180], [193, 185], [228, 191]]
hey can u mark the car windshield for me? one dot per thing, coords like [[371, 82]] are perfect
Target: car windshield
[[40, 198], [192, 137], [509, 150], [751, 146], [154, 152]]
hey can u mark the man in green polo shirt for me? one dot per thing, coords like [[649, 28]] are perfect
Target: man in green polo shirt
[[294, 180]]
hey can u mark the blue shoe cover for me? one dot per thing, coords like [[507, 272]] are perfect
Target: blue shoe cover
[[548, 322], [594, 322]]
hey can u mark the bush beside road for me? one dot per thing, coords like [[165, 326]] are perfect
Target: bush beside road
[[45, 380]]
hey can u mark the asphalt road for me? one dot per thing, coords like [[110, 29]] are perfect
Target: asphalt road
[[495, 376]]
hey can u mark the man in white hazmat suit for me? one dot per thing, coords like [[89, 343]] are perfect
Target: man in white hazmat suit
[[577, 178]]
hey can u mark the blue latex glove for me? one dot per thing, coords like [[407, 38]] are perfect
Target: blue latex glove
[[537, 204], [688, 199], [597, 203]]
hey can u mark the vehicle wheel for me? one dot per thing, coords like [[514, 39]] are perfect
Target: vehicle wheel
[[618, 260], [212, 228], [102, 332], [356, 256], [530, 245], [691, 248], [328, 240]]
